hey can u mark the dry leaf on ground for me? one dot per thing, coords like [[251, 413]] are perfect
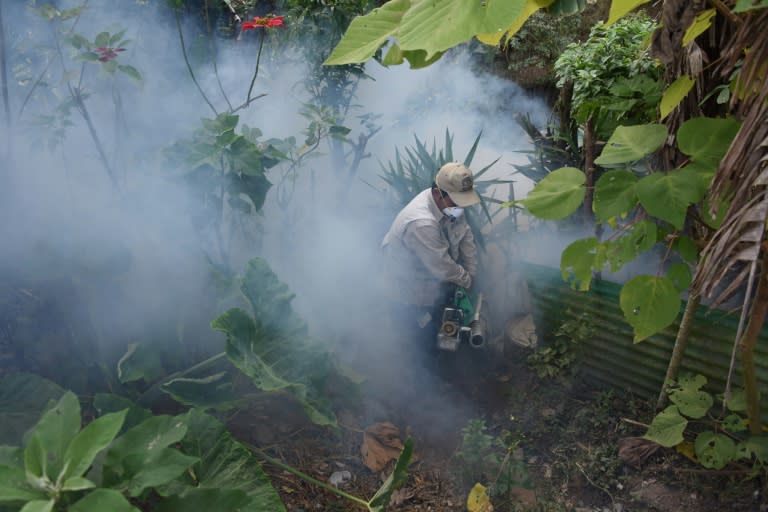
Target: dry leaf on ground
[[381, 444]]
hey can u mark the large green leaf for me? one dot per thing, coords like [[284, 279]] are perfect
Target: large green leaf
[[431, 26], [649, 304], [14, 486], [639, 238], [147, 438], [686, 248], [416, 58], [714, 450], [23, 396], [631, 143], [103, 500], [667, 427], [211, 391], [44, 453], [530, 8], [701, 24], [691, 401], [366, 34], [140, 458], [140, 362], [680, 274], [396, 479], [207, 500], [272, 347], [437, 25], [89, 442], [615, 194], [255, 186], [39, 506], [107, 402], [77, 483], [668, 196], [558, 195], [577, 261], [748, 5], [621, 7], [148, 472], [674, 94], [225, 465], [706, 139], [261, 355], [756, 446]]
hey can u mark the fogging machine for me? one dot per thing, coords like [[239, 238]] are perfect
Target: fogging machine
[[461, 321]]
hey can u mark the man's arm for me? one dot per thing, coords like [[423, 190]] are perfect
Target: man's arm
[[468, 252], [428, 244]]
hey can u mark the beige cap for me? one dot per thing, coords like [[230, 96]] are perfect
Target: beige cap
[[456, 179]]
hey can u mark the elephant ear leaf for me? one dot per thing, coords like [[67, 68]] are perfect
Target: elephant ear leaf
[[271, 299], [271, 345]]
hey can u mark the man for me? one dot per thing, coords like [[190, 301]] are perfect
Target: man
[[430, 245]]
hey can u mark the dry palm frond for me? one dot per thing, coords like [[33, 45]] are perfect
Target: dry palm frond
[[635, 451], [743, 173]]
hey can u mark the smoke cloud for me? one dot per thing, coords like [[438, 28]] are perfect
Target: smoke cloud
[[136, 250]]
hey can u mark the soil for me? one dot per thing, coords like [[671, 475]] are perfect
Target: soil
[[563, 435]]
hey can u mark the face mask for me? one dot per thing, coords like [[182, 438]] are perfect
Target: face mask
[[454, 211]]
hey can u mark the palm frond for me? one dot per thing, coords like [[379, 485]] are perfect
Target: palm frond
[[742, 178]]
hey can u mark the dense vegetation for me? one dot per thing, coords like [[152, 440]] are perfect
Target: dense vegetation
[[131, 343]]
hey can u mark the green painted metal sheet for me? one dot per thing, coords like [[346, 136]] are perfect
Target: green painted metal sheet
[[611, 358]]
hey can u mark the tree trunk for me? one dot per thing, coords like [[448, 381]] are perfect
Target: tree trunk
[[747, 345], [681, 342], [589, 168]]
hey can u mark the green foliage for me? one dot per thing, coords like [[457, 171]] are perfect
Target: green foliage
[[479, 453], [649, 303], [22, 397], [613, 75], [380, 501], [322, 123], [226, 166], [723, 439], [65, 87], [270, 344], [431, 27], [559, 354], [537, 45], [408, 176], [188, 460], [556, 196], [225, 171], [484, 458]]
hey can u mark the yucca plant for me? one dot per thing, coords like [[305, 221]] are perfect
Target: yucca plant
[[414, 170]]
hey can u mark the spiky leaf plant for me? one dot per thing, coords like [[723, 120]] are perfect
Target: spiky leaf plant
[[414, 170]]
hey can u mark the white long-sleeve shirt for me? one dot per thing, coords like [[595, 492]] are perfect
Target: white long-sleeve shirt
[[424, 248]]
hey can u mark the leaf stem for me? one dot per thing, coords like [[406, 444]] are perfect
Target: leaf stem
[[189, 66], [258, 60], [306, 477]]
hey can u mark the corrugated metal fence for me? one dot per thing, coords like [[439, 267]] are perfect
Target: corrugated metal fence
[[610, 357]]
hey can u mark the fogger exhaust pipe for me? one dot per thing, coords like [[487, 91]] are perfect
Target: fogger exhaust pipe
[[477, 326]]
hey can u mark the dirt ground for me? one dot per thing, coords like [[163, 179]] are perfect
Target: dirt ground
[[567, 437]]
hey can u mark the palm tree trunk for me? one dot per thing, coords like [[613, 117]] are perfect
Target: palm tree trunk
[[747, 345]]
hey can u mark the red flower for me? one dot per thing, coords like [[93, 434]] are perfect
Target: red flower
[[107, 54], [267, 22]]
